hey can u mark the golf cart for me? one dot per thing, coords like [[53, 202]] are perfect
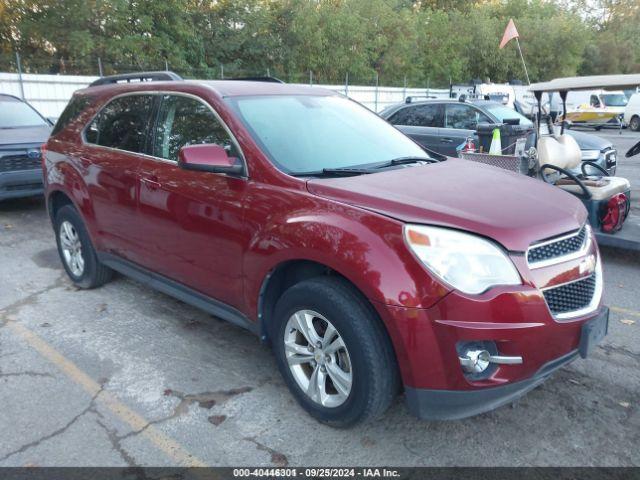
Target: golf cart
[[607, 199]]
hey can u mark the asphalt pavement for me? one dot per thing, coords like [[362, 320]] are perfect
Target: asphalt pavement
[[123, 375]]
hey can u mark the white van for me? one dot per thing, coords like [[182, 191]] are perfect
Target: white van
[[632, 112]]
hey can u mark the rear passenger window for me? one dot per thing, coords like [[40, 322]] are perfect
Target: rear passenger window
[[463, 117], [187, 121], [418, 116], [123, 124]]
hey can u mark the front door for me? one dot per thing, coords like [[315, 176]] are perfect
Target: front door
[[193, 220]]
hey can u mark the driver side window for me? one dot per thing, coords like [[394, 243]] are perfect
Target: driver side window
[[186, 121], [595, 102]]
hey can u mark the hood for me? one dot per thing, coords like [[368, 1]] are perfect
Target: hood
[[14, 136], [588, 141], [512, 209]]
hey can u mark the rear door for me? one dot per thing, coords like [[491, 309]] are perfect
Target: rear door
[[460, 122], [421, 122], [114, 143], [193, 221]]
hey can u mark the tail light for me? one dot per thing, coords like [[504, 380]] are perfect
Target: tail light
[[614, 214]]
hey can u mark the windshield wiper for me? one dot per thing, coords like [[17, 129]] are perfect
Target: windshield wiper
[[406, 160], [335, 172], [365, 169]]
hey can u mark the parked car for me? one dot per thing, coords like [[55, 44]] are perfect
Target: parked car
[[302, 216], [632, 112], [443, 125], [22, 132]]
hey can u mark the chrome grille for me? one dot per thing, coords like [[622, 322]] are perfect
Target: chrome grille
[[18, 162], [557, 248], [572, 296]]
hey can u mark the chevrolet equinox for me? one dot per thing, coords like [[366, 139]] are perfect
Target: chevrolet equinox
[[371, 266]]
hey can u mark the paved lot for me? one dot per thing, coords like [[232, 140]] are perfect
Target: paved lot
[[123, 375]]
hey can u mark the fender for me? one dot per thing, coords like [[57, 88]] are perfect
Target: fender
[[366, 248], [61, 174]]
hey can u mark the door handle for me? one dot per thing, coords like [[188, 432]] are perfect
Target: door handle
[[446, 140], [151, 182]]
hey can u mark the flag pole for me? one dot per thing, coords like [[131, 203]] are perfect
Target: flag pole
[[526, 74]]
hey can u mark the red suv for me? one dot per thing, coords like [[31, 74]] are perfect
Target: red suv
[[370, 266]]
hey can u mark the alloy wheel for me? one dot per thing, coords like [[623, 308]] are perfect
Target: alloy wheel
[[318, 358], [71, 248]]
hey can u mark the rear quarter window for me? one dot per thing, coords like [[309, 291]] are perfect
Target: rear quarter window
[[74, 108]]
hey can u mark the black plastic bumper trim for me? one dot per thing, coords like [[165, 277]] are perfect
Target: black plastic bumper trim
[[430, 404]]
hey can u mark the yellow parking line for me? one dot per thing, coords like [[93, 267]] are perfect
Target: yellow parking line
[[625, 311], [163, 442]]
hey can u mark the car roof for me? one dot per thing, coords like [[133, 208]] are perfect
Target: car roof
[[477, 102], [5, 97], [234, 88], [224, 88]]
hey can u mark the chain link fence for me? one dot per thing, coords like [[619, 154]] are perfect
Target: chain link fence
[[48, 83]]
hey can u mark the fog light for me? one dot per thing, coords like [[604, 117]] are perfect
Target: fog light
[[475, 361]]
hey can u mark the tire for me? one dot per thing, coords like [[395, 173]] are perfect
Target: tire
[[72, 239], [367, 357], [634, 124]]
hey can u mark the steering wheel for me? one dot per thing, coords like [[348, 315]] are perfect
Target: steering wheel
[[635, 150]]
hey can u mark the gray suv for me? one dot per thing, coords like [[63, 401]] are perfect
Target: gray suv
[[442, 125], [22, 132]]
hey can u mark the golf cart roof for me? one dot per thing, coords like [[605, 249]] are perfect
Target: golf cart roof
[[605, 82]]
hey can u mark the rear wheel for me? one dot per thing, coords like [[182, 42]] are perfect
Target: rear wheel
[[333, 352], [76, 251], [634, 124]]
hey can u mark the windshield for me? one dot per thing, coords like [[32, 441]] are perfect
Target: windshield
[[310, 133], [17, 114], [614, 99], [502, 113]]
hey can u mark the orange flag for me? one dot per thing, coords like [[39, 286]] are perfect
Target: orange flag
[[509, 33]]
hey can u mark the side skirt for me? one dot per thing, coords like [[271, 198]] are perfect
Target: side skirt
[[179, 291]]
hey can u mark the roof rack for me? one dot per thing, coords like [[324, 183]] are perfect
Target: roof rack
[[258, 79], [138, 76]]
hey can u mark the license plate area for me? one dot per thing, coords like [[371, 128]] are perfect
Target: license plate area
[[593, 332]]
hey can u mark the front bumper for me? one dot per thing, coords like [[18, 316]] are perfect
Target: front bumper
[[432, 404], [25, 183]]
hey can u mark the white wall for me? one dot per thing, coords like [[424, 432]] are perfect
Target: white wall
[[49, 94]]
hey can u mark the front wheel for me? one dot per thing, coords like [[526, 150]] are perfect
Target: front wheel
[[634, 124], [333, 352]]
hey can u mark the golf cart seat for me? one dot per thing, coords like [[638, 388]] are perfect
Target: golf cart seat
[[601, 188], [562, 151]]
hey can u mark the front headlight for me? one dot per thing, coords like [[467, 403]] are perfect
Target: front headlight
[[467, 262], [590, 154]]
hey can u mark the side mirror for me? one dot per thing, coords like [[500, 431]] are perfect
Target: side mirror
[[208, 158]]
